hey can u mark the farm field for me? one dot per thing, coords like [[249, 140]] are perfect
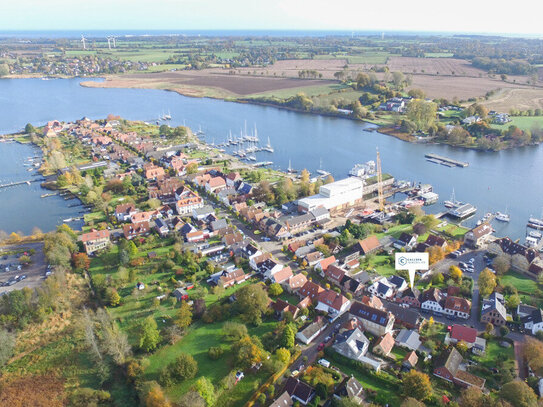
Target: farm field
[[516, 98], [434, 66], [524, 123], [206, 83]]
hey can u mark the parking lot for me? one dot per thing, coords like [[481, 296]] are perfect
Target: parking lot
[[15, 276]]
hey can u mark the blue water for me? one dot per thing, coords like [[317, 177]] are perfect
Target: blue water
[[492, 182]]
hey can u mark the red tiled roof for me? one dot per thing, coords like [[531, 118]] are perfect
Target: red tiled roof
[[369, 244], [95, 235], [324, 263], [464, 333]]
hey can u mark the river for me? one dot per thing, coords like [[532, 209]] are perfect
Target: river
[[492, 182]]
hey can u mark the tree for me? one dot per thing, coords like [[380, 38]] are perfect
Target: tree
[[247, 351], [512, 301], [417, 385], [113, 297], [156, 398], [275, 289], [206, 390], [234, 331], [422, 113], [283, 355], [192, 399], [455, 273], [149, 336], [502, 264], [411, 402], [487, 282], [7, 339], [435, 254], [252, 301], [183, 318], [4, 70], [183, 368], [81, 261], [288, 337], [519, 394], [472, 397], [29, 129], [438, 279], [533, 352], [417, 93]]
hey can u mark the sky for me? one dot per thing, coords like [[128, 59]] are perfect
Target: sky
[[469, 16]]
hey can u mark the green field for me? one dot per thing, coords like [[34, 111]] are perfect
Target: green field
[[522, 122], [196, 343], [521, 283], [313, 90]]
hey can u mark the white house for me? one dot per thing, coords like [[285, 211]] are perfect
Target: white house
[[432, 300], [381, 288]]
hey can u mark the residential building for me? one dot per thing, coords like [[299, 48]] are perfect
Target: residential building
[[332, 303], [405, 317], [282, 275], [368, 245], [447, 367], [188, 203], [405, 241], [280, 307], [299, 391], [493, 310], [457, 307], [308, 333], [432, 300], [353, 344], [124, 212], [384, 345], [284, 400], [376, 321], [478, 236], [409, 297], [467, 335], [533, 322], [311, 290], [410, 360], [133, 230], [408, 339], [351, 389], [322, 265], [381, 288], [95, 240], [295, 282]]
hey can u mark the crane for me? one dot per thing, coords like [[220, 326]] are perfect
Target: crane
[[380, 193]]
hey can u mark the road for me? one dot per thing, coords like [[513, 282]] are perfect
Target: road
[[478, 266], [310, 351]]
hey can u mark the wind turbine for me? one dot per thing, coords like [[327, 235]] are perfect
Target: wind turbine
[[114, 45], [108, 42], [83, 39]]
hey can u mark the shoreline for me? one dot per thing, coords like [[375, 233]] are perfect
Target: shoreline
[[199, 92]]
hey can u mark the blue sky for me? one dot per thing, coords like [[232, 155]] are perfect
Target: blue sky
[[522, 16]]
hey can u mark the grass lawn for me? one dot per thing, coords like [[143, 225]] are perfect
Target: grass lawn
[[399, 353], [522, 122], [455, 231], [371, 382], [290, 298], [196, 343], [494, 352], [522, 283], [379, 263]]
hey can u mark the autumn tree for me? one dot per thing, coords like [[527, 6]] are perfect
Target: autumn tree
[[112, 296], [183, 317], [411, 402], [472, 397], [234, 331], [283, 355], [247, 351], [487, 283], [275, 289], [156, 398], [519, 394], [502, 264], [533, 352], [455, 273], [417, 385], [80, 261], [435, 254]]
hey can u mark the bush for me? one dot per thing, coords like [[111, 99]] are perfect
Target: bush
[[215, 352]]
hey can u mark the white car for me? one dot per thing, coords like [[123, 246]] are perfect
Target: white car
[[324, 362]]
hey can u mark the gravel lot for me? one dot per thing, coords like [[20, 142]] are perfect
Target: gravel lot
[[34, 272]]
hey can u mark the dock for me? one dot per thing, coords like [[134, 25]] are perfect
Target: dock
[[12, 184], [449, 162]]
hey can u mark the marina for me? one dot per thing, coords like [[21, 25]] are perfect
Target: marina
[[463, 211]]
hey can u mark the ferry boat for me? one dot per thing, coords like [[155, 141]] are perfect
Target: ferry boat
[[463, 211]]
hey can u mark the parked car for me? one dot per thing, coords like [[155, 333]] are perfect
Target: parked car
[[324, 362], [320, 347]]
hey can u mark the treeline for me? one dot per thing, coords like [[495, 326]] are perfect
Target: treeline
[[502, 66]]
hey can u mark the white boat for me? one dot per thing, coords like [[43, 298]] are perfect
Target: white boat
[[251, 157], [321, 171], [365, 170], [290, 170], [268, 147], [167, 116], [503, 217], [453, 203]]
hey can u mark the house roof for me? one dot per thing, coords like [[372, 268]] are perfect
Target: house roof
[[282, 275], [451, 360], [457, 304], [370, 243], [352, 344], [403, 315], [324, 263], [463, 333], [433, 294], [95, 235], [311, 290], [372, 301], [408, 338], [284, 400], [368, 313], [481, 230], [125, 208], [386, 343], [297, 281], [281, 306], [334, 272], [470, 379], [406, 238], [333, 299], [299, 389], [433, 240], [411, 359]]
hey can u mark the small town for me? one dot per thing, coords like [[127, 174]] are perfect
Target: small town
[[221, 282]]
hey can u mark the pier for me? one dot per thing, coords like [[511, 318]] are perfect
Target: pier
[[438, 159], [13, 184]]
